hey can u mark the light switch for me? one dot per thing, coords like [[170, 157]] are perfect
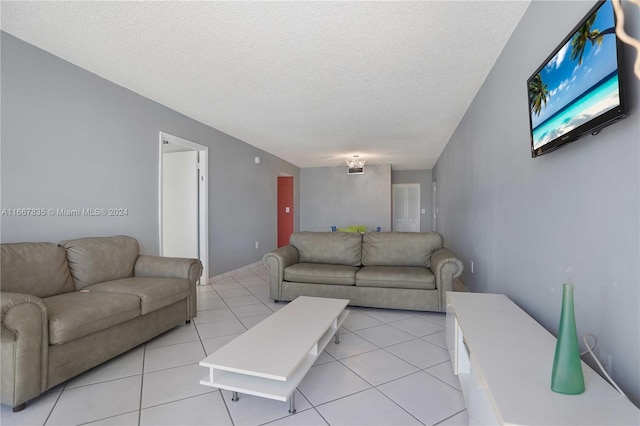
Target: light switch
[[287, 209]]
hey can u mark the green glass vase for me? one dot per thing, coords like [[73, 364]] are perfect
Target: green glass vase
[[567, 376]]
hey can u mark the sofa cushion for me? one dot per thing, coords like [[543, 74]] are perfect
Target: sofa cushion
[[396, 277], [154, 293], [97, 259], [400, 248], [319, 273], [336, 248], [39, 269], [78, 314]]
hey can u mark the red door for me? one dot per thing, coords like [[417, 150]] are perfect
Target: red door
[[285, 209]]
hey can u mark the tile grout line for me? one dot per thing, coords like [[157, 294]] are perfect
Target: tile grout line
[[337, 399], [388, 381], [200, 339], [102, 381], [400, 406], [447, 418], [224, 401], [213, 390], [419, 337], [365, 352], [288, 415], [320, 414], [55, 403], [144, 353], [356, 393], [105, 418], [438, 378]]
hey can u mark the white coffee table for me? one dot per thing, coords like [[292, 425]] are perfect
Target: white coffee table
[[271, 359]]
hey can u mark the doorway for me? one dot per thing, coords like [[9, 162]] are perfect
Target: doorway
[[183, 200], [406, 207], [285, 209]]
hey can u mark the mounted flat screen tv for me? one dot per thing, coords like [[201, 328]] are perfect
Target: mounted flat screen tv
[[578, 89]]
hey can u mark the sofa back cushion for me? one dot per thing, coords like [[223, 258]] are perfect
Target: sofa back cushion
[[337, 248], [400, 248], [97, 259], [39, 269]]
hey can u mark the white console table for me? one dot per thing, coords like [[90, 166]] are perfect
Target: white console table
[[504, 358]]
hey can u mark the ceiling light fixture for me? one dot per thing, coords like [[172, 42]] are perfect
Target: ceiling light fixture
[[355, 165]]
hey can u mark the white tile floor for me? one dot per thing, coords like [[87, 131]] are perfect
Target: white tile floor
[[390, 368]]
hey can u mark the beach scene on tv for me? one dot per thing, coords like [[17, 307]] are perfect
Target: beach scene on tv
[[579, 83]]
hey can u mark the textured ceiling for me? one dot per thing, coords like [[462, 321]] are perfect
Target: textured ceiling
[[311, 82]]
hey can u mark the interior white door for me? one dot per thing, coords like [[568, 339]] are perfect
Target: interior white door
[[180, 204], [406, 207]]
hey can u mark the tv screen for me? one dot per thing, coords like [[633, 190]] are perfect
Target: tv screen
[[578, 90]]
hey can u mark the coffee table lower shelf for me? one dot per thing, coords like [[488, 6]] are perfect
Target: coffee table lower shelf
[[271, 388]]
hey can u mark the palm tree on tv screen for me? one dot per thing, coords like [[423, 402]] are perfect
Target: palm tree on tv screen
[[538, 93], [586, 34]]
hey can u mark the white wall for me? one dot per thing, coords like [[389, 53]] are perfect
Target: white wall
[[524, 222], [331, 197], [71, 139]]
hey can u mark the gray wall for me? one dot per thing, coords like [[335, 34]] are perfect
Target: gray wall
[[525, 222], [331, 197], [423, 177], [71, 139]]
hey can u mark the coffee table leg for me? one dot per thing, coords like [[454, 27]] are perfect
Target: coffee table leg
[[292, 403], [234, 396], [337, 340]]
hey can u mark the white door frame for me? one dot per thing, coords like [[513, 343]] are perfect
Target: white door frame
[[434, 205], [203, 198]]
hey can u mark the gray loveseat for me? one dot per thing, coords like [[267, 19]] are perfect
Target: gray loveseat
[[70, 307], [398, 270]]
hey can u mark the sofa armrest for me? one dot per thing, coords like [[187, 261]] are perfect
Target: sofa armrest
[[168, 267], [24, 337], [446, 267], [276, 261], [172, 267]]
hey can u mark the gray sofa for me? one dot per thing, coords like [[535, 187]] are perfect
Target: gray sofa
[[70, 307], [398, 270]]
